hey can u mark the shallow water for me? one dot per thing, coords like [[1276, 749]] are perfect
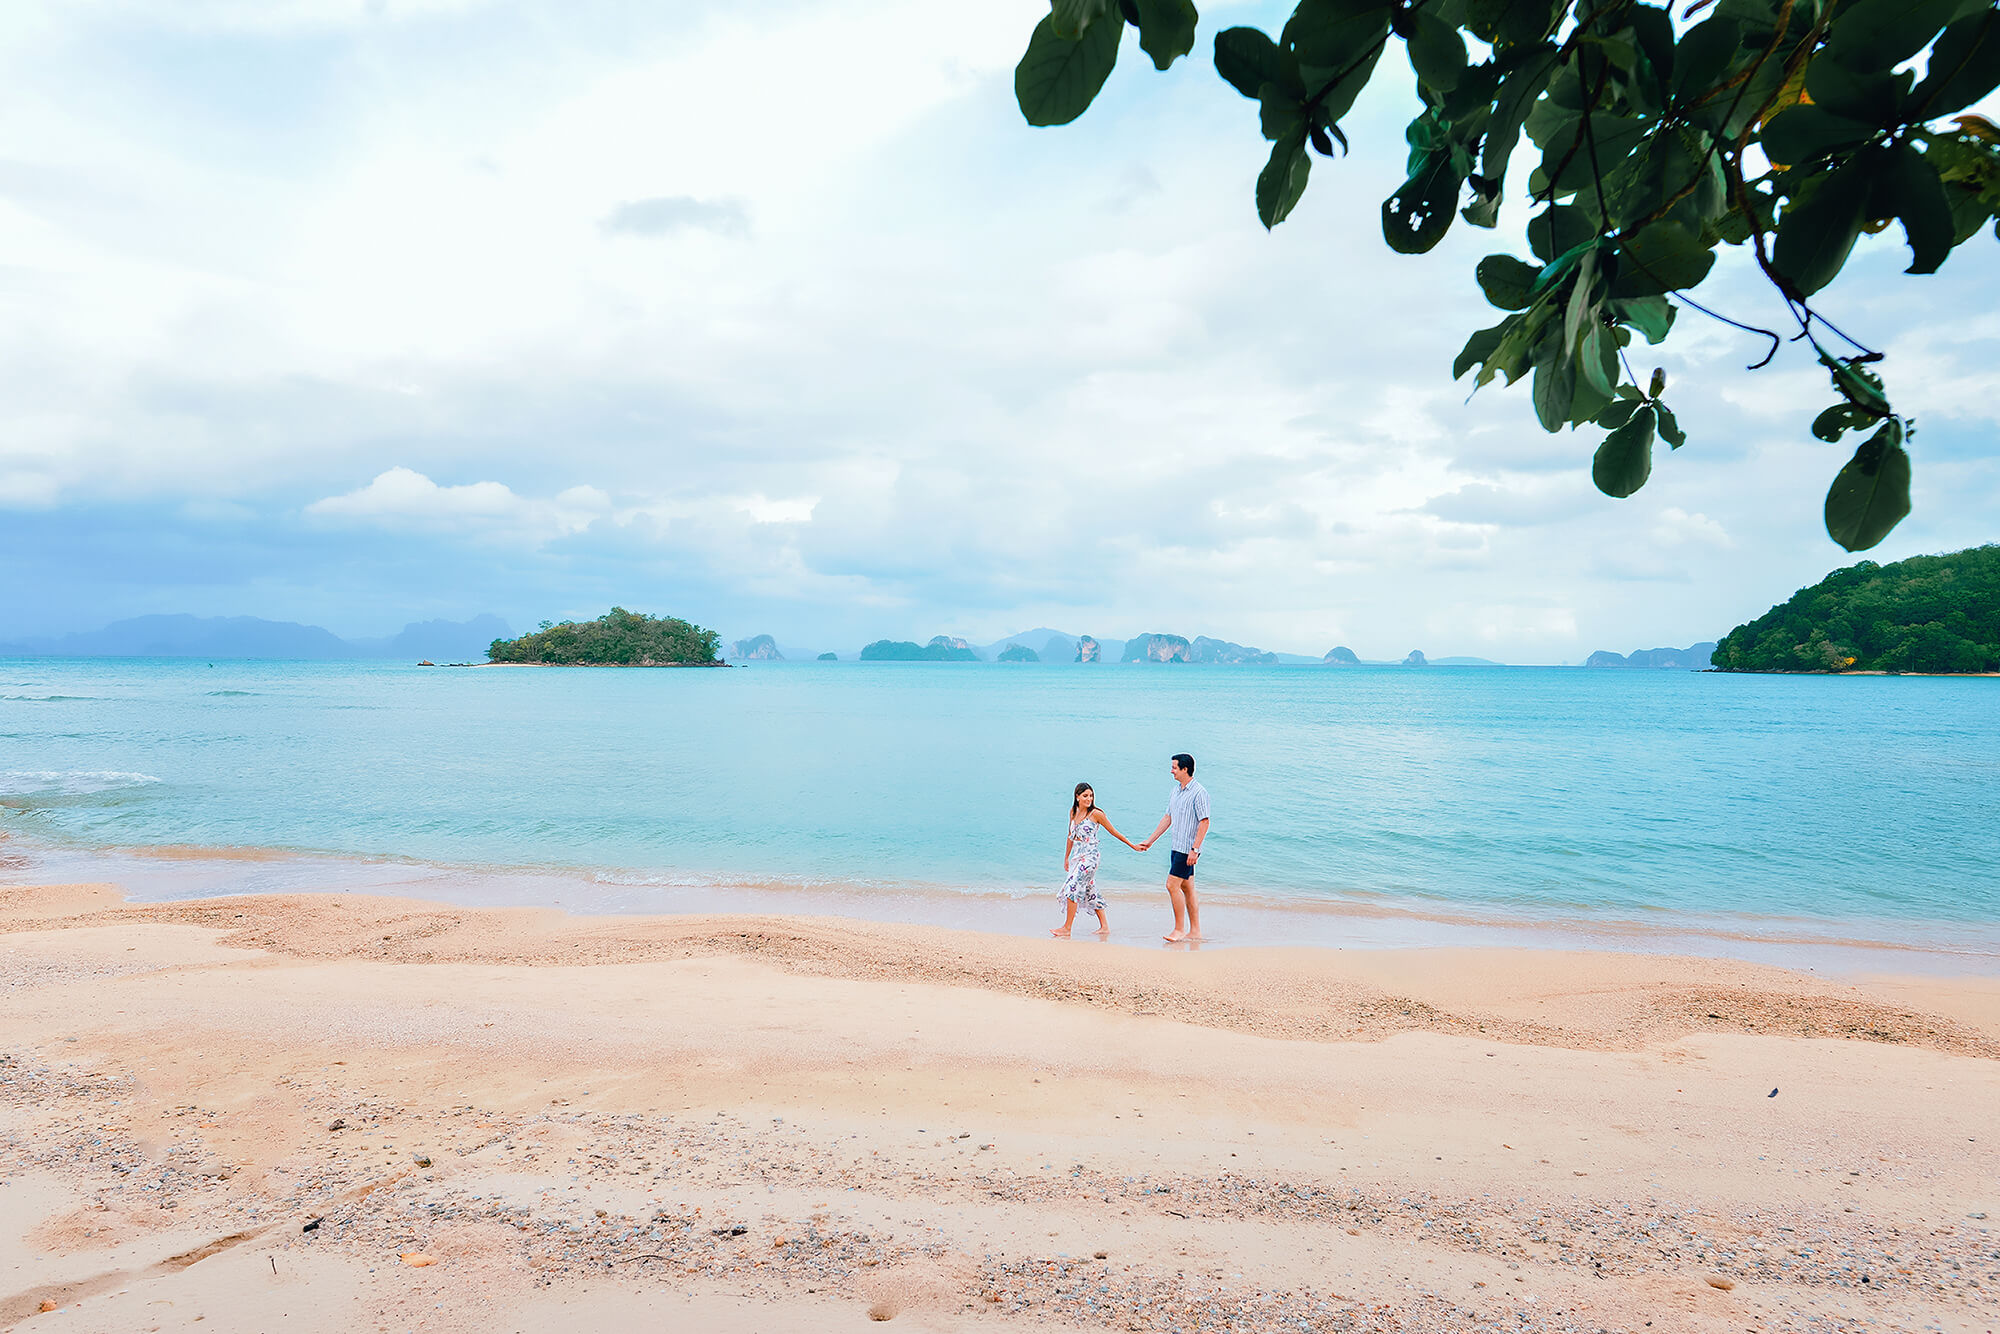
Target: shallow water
[[1774, 805]]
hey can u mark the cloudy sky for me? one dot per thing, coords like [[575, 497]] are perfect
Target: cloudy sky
[[779, 318]]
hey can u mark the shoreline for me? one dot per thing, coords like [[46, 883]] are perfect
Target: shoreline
[[327, 1113], [1236, 918]]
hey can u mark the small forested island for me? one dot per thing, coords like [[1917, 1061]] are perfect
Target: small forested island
[[1931, 614], [940, 649], [619, 638], [1018, 653]]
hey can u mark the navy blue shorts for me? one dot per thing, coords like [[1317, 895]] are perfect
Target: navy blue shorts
[[1179, 867]]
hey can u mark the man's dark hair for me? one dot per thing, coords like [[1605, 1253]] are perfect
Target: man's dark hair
[[1186, 762]]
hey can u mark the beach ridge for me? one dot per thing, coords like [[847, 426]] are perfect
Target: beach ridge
[[332, 1111]]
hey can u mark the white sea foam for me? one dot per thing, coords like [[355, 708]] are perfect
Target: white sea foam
[[68, 782]]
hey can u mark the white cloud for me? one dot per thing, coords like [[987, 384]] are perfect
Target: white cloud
[[798, 509], [1676, 526], [402, 495], [957, 371]]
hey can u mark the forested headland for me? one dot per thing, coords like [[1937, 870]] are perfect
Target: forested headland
[[619, 638], [1924, 614]]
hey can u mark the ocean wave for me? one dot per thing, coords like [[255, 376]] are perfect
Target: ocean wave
[[68, 782], [218, 693], [47, 699]]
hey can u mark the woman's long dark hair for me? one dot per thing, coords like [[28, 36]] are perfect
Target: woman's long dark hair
[[1076, 799]]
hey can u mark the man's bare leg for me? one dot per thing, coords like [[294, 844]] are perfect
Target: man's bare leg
[[1178, 894], [1194, 910]]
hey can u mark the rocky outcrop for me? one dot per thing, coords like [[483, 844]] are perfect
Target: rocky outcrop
[[1222, 651], [759, 648], [1416, 659], [1341, 657], [948, 641], [829, 657], [1018, 653], [1157, 648], [1694, 658], [1088, 649]]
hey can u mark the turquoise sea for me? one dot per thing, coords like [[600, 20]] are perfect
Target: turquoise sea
[[1365, 805]]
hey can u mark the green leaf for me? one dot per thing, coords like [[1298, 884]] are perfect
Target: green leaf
[[1964, 67], [1416, 217], [1518, 92], [1665, 257], [1166, 29], [1584, 299], [1558, 228], [1597, 358], [1477, 86], [1625, 460], [1248, 60], [1483, 210], [1575, 154], [1330, 35], [1057, 77], [1907, 187], [1072, 18], [1704, 52], [1871, 494], [1841, 418], [1663, 168], [1525, 21], [1670, 429], [1283, 179], [1819, 226], [1856, 383], [1437, 52], [1881, 34], [1618, 413], [1279, 113], [1506, 281], [1872, 97], [1804, 134], [1555, 383], [1653, 28], [1479, 347], [1652, 316]]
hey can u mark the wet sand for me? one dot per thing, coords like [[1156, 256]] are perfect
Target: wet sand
[[317, 1112]]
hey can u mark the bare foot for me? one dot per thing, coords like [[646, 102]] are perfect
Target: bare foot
[[1176, 937], [1059, 932]]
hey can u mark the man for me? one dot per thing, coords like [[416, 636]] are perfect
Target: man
[[1187, 816]]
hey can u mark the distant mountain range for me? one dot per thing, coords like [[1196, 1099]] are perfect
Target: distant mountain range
[[1695, 658], [466, 641], [252, 637], [1045, 645]]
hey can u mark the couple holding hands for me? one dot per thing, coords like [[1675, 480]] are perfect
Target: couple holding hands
[[1187, 817]]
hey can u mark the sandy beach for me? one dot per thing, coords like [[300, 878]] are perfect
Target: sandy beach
[[322, 1112]]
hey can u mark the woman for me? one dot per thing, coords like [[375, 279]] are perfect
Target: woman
[[1080, 861]]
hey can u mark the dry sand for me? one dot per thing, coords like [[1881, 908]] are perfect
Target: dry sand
[[341, 1113]]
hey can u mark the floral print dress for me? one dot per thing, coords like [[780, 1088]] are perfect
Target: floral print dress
[[1081, 887]]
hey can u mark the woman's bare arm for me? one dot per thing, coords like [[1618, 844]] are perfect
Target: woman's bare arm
[[1105, 820]]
